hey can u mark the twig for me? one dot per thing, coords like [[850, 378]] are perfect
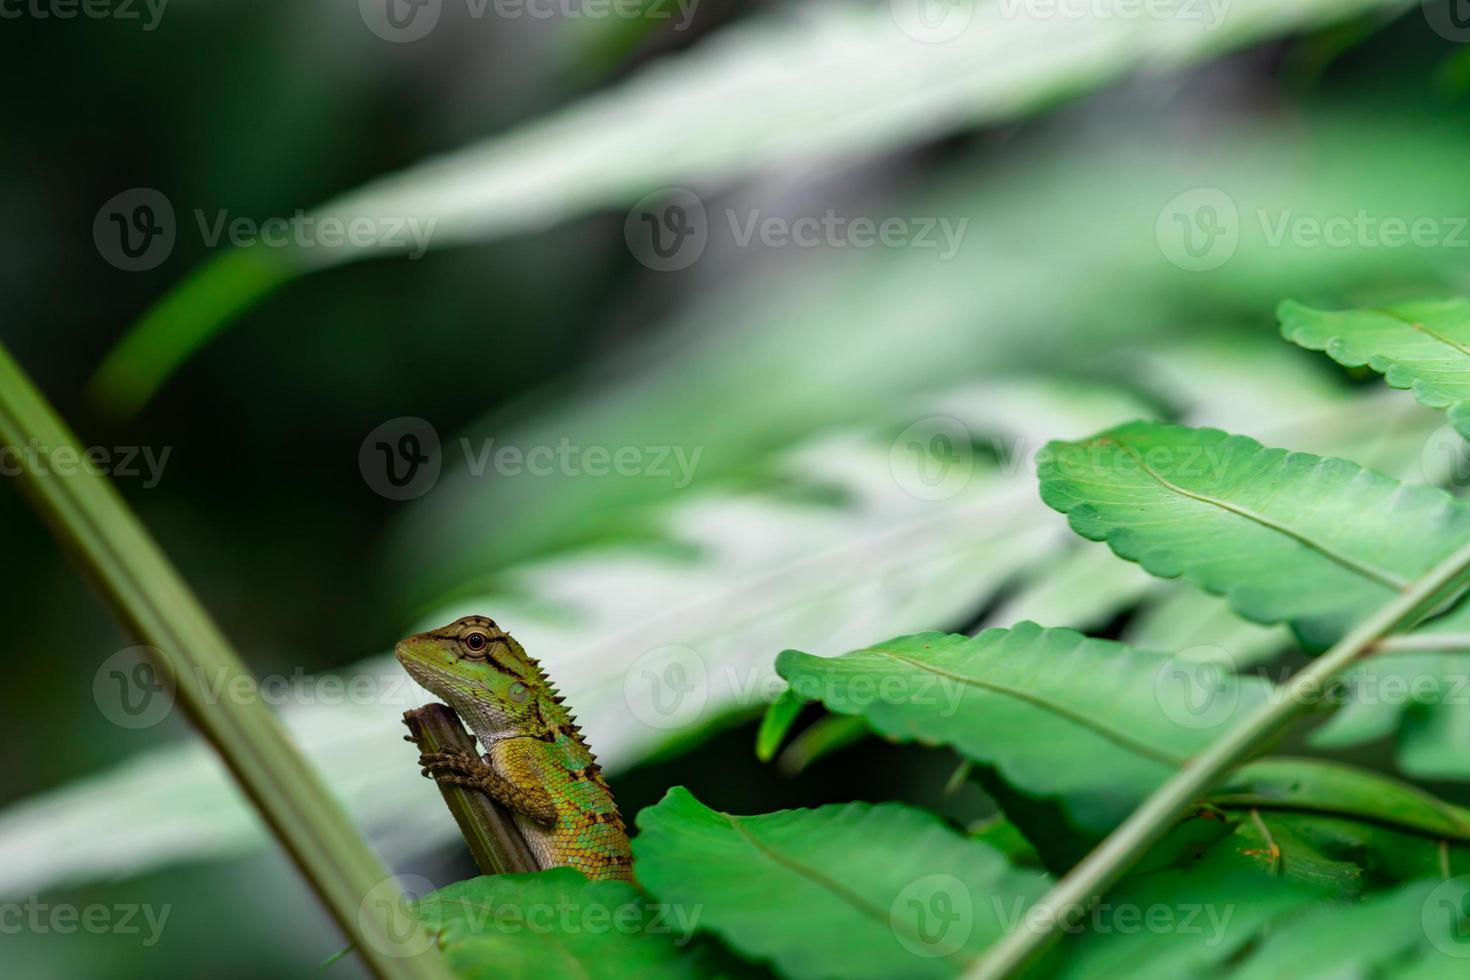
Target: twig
[[146, 592], [488, 828], [1110, 860]]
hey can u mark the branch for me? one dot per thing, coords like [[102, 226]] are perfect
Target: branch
[[496, 845], [146, 592], [1069, 901]]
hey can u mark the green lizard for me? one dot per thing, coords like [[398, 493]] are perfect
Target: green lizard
[[537, 763]]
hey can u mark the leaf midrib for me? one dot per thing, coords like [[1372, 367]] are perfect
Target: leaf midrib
[[1382, 577], [1421, 328], [1060, 710], [818, 878]]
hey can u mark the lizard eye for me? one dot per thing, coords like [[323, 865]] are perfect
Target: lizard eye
[[518, 692], [475, 642]]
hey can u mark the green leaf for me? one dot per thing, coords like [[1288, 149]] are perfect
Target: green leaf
[[1003, 835], [1422, 347], [851, 890], [775, 723], [557, 923], [1090, 723], [1285, 537], [1179, 920], [1421, 930], [820, 739], [1341, 827], [719, 111], [1315, 786]]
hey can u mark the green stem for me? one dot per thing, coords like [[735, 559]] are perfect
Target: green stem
[[496, 845], [1101, 869], [89, 517]]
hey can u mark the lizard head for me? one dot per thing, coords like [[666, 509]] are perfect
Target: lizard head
[[480, 671]]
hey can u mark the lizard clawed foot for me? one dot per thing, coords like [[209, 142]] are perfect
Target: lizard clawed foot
[[441, 764]]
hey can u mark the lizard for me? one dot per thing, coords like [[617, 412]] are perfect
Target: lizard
[[537, 764]]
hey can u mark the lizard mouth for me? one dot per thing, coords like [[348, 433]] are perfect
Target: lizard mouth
[[426, 677]]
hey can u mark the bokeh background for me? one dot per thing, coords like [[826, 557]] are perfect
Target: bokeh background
[[1073, 147]]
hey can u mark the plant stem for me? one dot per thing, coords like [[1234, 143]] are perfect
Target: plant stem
[[496, 845], [1101, 869], [146, 592]]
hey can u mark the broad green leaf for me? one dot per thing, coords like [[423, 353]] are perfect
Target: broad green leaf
[[1306, 838], [836, 80], [1315, 786], [850, 890], [1185, 919], [1340, 827], [1422, 930], [1088, 723], [1285, 537], [1423, 347], [557, 923]]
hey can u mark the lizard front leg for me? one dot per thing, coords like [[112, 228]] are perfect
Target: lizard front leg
[[464, 769]]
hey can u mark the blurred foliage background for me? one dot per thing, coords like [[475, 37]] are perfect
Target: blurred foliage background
[[556, 330]]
